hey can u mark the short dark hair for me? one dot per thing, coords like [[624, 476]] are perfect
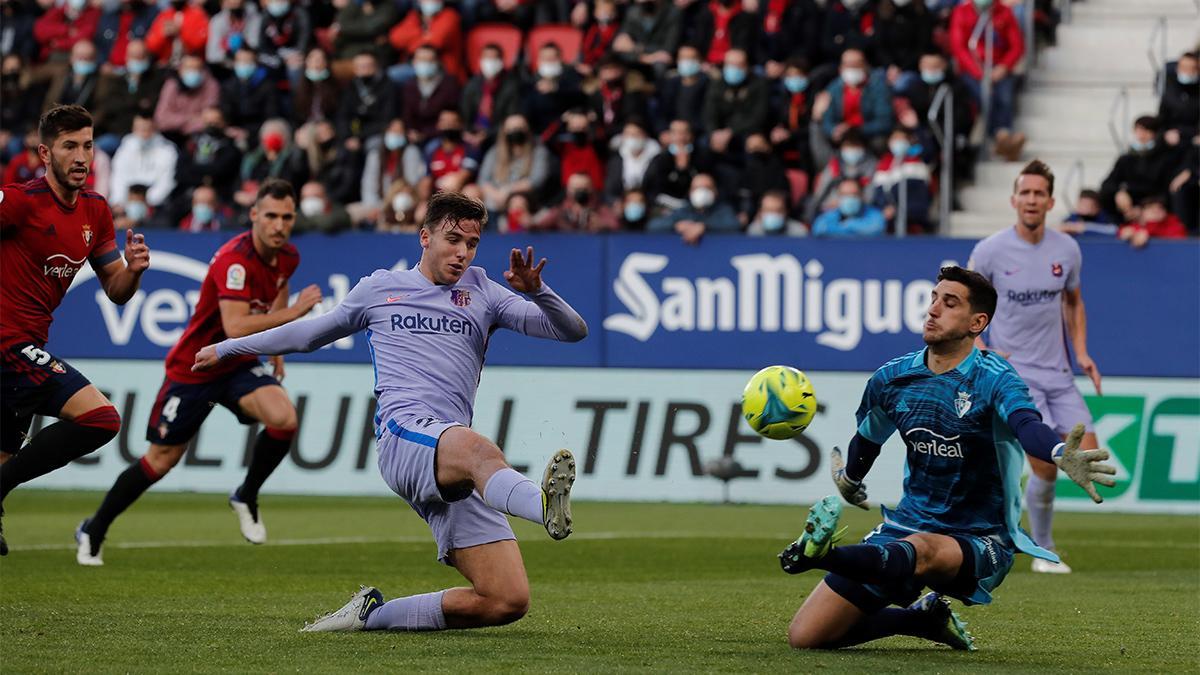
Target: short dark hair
[[1088, 193], [1036, 168], [1155, 200], [63, 119], [275, 188], [981, 294], [1147, 122], [449, 208]]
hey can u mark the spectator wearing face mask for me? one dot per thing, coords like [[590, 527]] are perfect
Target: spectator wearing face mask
[[250, 97], [721, 25], [792, 117], [1007, 50], [649, 34], [517, 215], [316, 94], [144, 158], [617, 97], [451, 162], [669, 176], [184, 97], [368, 102], [275, 157], [238, 25], [703, 213], [764, 172], [902, 168], [1179, 109], [735, 105], [627, 167], [136, 213], [1145, 170], [580, 211], [858, 99], [635, 212], [491, 96], [119, 25], [78, 84], [904, 31], [395, 160], [577, 149], [772, 219], [210, 158], [432, 23], [850, 217], [599, 34], [682, 92], [180, 29], [853, 160], [361, 26], [285, 35], [318, 213], [916, 97], [428, 93], [62, 26], [554, 89], [517, 162], [206, 213], [1089, 220], [401, 213], [122, 94]]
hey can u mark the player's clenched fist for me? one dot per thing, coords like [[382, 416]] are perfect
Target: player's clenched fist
[[137, 253], [206, 358], [308, 298]]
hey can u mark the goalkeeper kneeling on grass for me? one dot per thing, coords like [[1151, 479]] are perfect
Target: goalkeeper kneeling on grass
[[966, 419]]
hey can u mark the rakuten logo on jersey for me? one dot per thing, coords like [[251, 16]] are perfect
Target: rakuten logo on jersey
[[60, 266], [928, 442], [419, 324], [1033, 297]]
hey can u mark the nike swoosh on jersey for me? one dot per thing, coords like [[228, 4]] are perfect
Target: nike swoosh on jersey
[[398, 298]]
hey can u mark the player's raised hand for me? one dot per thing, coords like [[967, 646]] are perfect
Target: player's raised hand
[[206, 358], [1089, 368], [854, 492], [1084, 467], [137, 253], [521, 274], [308, 298]]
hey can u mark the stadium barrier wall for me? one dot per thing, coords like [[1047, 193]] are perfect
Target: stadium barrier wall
[[639, 435]]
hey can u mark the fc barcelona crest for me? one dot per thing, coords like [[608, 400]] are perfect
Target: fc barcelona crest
[[1056, 269], [87, 234], [962, 404], [460, 297]]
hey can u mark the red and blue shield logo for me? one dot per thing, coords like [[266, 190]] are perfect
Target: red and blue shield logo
[[460, 297]]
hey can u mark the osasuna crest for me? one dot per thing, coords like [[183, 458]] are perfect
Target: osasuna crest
[[963, 403], [460, 297], [87, 234], [1056, 269]]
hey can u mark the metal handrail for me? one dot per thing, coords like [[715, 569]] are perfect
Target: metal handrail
[[944, 98], [902, 202], [1119, 133], [1031, 52], [1074, 176], [1160, 31], [983, 29]]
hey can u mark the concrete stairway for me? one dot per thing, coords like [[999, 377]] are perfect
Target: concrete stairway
[[1065, 107]]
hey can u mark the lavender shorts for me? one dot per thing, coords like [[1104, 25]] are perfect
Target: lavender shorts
[[1059, 401], [407, 449]]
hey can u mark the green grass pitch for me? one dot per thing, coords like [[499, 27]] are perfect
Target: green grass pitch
[[639, 587]]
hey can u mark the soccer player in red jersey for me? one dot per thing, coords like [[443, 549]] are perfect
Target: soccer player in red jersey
[[244, 292], [49, 227]]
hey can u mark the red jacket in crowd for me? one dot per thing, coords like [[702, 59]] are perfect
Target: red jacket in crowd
[[1007, 49], [443, 33], [57, 33], [193, 32], [1169, 228]]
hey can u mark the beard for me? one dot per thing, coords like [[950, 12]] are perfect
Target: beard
[[63, 176], [946, 337]]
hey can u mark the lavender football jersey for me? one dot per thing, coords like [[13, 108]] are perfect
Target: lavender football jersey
[[427, 341], [1030, 280]]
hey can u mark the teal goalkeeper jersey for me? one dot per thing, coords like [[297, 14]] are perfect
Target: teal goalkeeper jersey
[[963, 466]]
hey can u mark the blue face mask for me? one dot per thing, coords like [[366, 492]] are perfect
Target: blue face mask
[[425, 69], [278, 9], [674, 149], [932, 76], [850, 206], [243, 71], [772, 222], [795, 83], [202, 214], [899, 148], [83, 68], [1138, 146], [852, 155], [137, 66], [191, 78], [688, 67], [314, 75], [733, 75], [634, 211], [1187, 80], [394, 141], [430, 8], [136, 211]]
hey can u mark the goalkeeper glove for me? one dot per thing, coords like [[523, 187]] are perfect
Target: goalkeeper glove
[[1084, 467], [853, 491]]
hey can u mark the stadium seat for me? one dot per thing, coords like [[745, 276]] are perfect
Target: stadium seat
[[506, 35], [798, 184], [568, 38]]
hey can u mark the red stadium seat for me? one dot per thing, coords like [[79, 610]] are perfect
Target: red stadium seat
[[506, 35], [568, 38]]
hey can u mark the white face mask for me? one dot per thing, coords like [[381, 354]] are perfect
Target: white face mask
[[312, 206], [490, 67], [702, 198], [550, 69], [402, 202], [632, 145], [853, 76]]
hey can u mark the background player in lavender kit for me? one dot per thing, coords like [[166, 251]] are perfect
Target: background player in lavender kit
[[244, 291], [427, 329], [1036, 272], [49, 227]]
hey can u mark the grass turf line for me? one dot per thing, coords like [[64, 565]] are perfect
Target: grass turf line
[[658, 588]]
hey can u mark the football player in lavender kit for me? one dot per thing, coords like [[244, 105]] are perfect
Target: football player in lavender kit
[[1036, 272], [428, 329]]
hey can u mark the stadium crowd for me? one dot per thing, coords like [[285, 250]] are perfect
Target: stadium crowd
[[770, 117]]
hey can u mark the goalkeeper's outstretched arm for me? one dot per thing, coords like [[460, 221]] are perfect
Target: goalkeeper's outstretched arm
[[1083, 467]]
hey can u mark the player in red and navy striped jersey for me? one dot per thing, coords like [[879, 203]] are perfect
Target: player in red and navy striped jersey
[[49, 227]]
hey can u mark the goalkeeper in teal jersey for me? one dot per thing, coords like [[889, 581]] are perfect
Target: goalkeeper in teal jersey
[[966, 419]]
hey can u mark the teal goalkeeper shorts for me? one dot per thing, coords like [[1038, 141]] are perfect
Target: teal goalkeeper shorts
[[986, 561]]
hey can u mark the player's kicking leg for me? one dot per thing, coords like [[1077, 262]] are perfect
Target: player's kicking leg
[[841, 612]]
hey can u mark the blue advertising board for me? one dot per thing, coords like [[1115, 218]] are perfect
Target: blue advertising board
[[654, 302]]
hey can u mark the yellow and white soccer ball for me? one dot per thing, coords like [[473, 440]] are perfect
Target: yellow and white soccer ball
[[779, 402]]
